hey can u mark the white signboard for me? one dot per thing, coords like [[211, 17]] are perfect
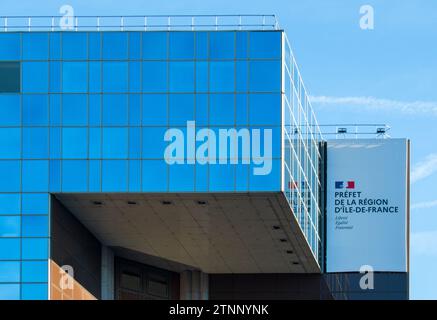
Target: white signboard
[[367, 205]]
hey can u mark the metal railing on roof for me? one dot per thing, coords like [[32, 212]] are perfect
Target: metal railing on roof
[[363, 130], [139, 23]]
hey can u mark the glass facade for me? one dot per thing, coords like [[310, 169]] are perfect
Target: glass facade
[[94, 107]]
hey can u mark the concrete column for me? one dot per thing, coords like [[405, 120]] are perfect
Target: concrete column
[[108, 276], [194, 285]]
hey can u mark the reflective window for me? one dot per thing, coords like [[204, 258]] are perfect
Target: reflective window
[[94, 39], [114, 175], [115, 143], [74, 110], [34, 203], [94, 175], [241, 45], [201, 45], [34, 271], [95, 143], [181, 45], [115, 76], [55, 142], [9, 271], [55, 45], [135, 143], [34, 248], [95, 75], [134, 109], [202, 109], [74, 77], [154, 109], [74, 45], [221, 45], [35, 46], [135, 76], [35, 176], [201, 178], [74, 175], [265, 109], [134, 45], [154, 175], [10, 77], [115, 45], [35, 226], [221, 110], [55, 176], [241, 112], [9, 291], [265, 76], [265, 45], [95, 116], [74, 143], [9, 249], [182, 76], [154, 76], [115, 110], [35, 143], [242, 76], [10, 48], [134, 175], [181, 177], [55, 109], [9, 226], [201, 76], [154, 45], [55, 76], [181, 109], [268, 182], [153, 142], [10, 203], [221, 177], [35, 77], [222, 76], [35, 110], [10, 143], [34, 291], [10, 111], [10, 173]]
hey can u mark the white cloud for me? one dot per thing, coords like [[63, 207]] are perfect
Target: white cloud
[[424, 205], [424, 243], [408, 107], [424, 168]]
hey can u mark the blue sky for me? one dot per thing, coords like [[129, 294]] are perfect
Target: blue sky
[[342, 66]]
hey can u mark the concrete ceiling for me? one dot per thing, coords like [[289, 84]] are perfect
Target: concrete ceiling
[[216, 233]]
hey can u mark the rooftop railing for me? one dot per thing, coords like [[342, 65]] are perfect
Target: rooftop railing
[[139, 23]]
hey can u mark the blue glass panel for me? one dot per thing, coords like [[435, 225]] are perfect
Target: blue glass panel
[[182, 76], [74, 45], [34, 271], [10, 112], [242, 177], [134, 175], [181, 109], [265, 76], [201, 45], [241, 114], [154, 45], [154, 109], [115, 45], [115, 111], [202, 109], [34, 203], [221, 45], [9, 226], [222, 75], [9, 291], [134, 110], [114, 175], [9, 249], [242, 38], [35, 176], [265, 45], [181, 177], [181, 45], [134, 45], [134, 143], [221, 177], [94, 176], [74, 175], [74, 143], [265, 109], [55, 142], [95, 115], [55, 176], [34, 248], [74, 110], [34, 291], [202, 177], [35, 110], [35, 46], [95, 75], [55, 109], [74, 77], [9, 271], [115, 76], [153, 142], [154, 76], [242, 76], [115, 143], [95, 144], [268, 182], [10, 203], [134, 77], [221, 110], [35, 143], [154, 177], [202, 76], [35, 226], [94, 39], [35, 77], [10, 143], [55, 76], [55, 45], [11, 47], [10, 173]]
